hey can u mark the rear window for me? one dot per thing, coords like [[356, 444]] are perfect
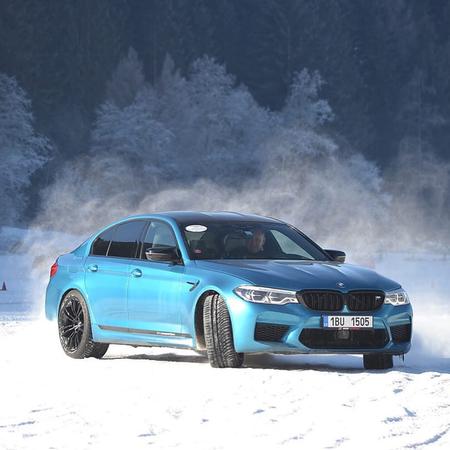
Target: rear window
[[101, 244], [126, 239]]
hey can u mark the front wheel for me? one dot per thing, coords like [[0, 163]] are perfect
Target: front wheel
[[74, 327], [219, 334], [378, 361]]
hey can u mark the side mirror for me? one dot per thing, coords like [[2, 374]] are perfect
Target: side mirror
[[167, 254], [336, 255]]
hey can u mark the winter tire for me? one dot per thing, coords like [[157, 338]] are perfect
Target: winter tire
[[219, 334]]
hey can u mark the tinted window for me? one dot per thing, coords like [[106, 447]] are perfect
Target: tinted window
[[249, 240], [101, 244], [159, 234], [126, 239]]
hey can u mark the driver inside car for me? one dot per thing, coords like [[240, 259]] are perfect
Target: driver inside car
[[240, 245], [255, 245]]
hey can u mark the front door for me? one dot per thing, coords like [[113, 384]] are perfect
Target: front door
[[154, 287]]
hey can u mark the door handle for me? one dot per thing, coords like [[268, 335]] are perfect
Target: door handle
[[137, 273], [93, 268]]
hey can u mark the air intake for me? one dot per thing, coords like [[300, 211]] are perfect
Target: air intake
[[270, 332], [401, 333]]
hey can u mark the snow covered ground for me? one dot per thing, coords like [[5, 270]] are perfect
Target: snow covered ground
[[137, 397], [165, 398]]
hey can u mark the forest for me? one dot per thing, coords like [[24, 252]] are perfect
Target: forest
[[301, 109]]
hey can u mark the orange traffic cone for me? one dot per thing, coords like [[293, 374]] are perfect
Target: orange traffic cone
[[4, 286]]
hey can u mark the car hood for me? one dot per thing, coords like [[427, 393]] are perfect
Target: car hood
[[297, 275]]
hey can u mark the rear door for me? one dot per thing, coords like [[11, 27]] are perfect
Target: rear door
[[107, 271], [154, 287]]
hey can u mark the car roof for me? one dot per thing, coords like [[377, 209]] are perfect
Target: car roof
[[210, 216]]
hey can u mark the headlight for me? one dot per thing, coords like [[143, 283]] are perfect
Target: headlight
[[397, 297], [271, 296]]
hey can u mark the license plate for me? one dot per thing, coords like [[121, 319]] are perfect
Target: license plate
[[347, 321]]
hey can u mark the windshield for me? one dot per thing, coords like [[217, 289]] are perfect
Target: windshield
[[248, 240]]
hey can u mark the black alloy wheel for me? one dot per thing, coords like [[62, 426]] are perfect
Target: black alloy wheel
[[71, 324], [75, 333]]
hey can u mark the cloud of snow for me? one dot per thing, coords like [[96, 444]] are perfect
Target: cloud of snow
[[325, 197], [296, 172]]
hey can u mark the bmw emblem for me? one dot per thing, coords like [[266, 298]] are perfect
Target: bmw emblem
[[340, 284]]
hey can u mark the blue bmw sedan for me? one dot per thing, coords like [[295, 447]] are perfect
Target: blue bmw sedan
[[223, 282]]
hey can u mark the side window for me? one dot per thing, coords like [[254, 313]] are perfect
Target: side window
[[101, 244], [288, 246], [159, 234], [126, 239]]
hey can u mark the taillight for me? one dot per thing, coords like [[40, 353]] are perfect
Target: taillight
[[54, 269]]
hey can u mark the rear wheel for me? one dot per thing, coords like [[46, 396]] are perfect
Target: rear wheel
[[219, 334], [378, 361], [74, 327]]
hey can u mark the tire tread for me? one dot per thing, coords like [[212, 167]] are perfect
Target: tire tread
[[219, 334]]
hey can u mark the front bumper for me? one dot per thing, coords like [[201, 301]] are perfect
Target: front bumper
[[293, 319]]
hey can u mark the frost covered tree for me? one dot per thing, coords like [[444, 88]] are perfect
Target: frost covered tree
[[204, 125], [298, 133], [22, 151], [172, 94], [127, 130], [221, 126], [133, 133], [303, 104], [201, 125], [126, 81]]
